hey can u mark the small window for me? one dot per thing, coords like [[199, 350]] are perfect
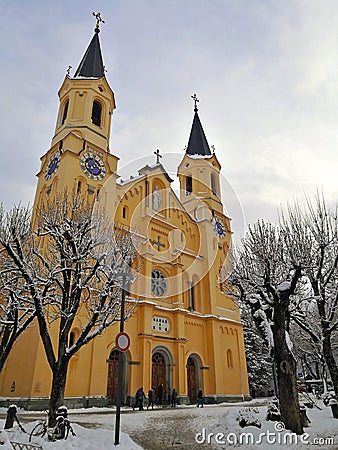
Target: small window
[[191, 296], [229, 359], [213, 184], [124, 212], [96, 113], [65, 112], [79, 186], [188, 185]]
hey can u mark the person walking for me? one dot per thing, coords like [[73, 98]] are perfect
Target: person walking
[[200, 398], [173, 397], [141, 396], [136, 398], [150, 399], [159, 394]]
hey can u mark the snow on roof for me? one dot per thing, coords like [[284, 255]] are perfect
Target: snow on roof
[[196, 156], [130, 180]]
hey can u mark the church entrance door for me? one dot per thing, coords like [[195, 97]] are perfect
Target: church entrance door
[[158, 375], [192, 380]]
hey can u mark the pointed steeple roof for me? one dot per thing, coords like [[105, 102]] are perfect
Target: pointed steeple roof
[[198, 144], [91, 65]]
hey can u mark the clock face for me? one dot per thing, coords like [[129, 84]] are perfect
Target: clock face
[[53, 164], [93, 166], [219, 227]]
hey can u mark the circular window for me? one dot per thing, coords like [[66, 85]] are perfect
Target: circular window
[[158, 283]]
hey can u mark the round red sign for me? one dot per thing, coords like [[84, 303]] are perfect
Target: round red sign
[[122, 341]]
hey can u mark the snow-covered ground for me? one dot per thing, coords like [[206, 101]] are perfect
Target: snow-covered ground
[[184, 428]]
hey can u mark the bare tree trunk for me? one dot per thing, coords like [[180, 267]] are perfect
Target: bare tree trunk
[[330, 361], [286, 373], [58, 390]]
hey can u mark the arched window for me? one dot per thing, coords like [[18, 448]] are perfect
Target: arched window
[[191, 296], [188, 185], [229, 359], [124, 212], [65, 112], [96, 113], [213, 184]]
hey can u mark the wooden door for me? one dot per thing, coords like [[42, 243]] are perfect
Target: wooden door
[[112, 376], [158, 375], [192, 380]]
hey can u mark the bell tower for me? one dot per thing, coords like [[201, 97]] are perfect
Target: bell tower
[[200, 194], [199, 171], [79, 156]]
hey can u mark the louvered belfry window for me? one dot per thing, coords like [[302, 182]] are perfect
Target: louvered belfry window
[[96, 113]]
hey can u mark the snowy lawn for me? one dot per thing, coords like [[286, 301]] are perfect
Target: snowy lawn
[[186, 428], [85, 439]]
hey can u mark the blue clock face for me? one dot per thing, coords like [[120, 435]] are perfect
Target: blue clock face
[[93, 166], [219, 227], [52, 165]]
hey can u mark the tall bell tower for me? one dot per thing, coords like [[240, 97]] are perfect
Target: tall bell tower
[[199, 172], [200, 194], [79, 157]]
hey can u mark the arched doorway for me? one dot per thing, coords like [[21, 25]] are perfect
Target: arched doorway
[[112, 376], [158, 373], [193, 378], [161, 371]]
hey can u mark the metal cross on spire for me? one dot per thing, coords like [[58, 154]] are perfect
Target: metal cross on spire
[[98, 20], [158, 156], [194, 97]]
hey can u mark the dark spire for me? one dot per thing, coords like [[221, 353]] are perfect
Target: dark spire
[[198, 144], [91, 65]]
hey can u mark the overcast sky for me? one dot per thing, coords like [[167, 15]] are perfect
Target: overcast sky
[[266, 74]]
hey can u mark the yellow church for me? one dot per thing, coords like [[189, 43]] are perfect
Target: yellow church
[[185, 332]]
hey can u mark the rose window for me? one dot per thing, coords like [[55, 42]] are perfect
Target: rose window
[[158, 283]]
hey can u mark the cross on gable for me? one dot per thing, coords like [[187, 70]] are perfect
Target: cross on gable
[[158, 156], [158, 243]]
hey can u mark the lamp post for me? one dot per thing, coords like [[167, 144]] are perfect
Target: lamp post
[[125, 279]]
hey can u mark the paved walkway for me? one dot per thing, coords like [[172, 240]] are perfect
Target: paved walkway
[[158, 429]]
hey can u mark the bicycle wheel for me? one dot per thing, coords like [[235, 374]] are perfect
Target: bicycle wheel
[[69, 428], [39, 430]]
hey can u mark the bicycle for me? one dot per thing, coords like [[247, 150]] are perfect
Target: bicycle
[[60, 431], [39, 430]]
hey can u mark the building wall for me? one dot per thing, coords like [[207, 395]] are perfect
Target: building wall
[[203, 325]]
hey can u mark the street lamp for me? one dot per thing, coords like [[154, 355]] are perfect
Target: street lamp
[[126, 278]]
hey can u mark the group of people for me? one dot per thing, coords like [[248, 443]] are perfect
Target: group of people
[[140, 396]]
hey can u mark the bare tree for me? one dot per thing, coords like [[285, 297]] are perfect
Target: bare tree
[[308, 351], [311, 236], [266, 281], [16, 309], [71, 269], [258, 360]]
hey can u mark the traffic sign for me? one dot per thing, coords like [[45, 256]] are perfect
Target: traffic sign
[[122, 341]]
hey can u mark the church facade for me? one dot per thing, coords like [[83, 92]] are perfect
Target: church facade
[[185, 332]]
